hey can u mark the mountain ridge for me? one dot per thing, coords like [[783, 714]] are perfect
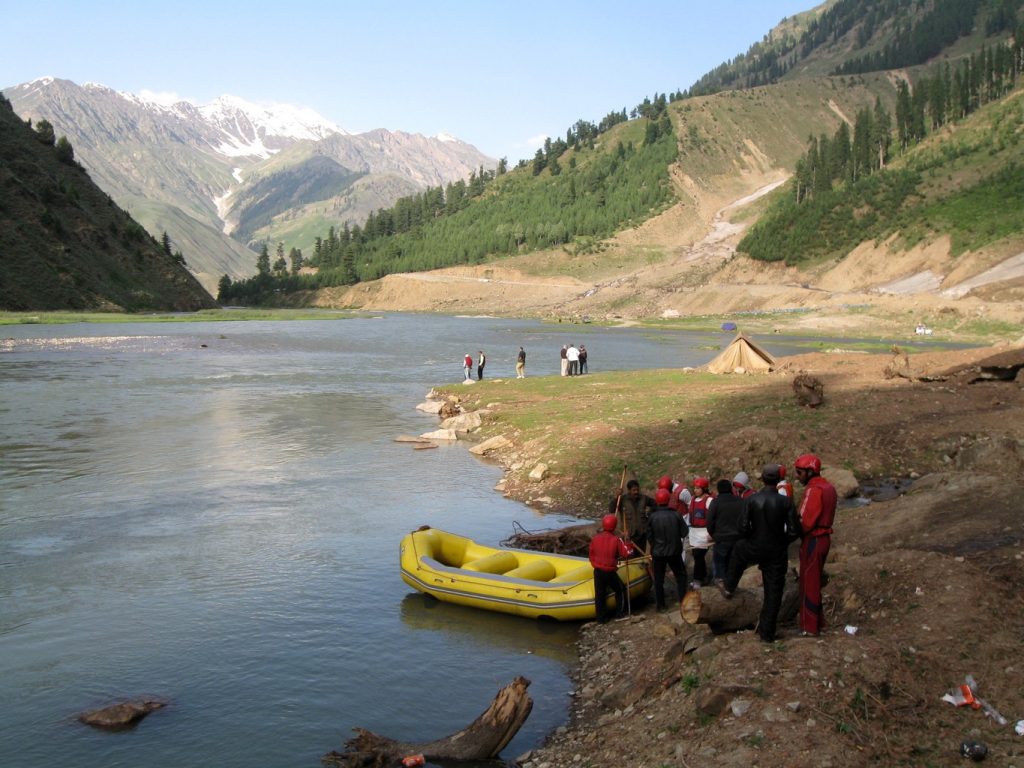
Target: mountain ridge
[[158, 160], [66, 245]]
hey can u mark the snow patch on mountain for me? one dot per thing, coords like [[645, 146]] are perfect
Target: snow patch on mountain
[[446, 137], [283, 120], [242, 128]]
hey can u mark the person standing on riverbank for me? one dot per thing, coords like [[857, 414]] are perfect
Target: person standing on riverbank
[[606, 549], [666, 531], [467, 367], [700, 540], [583, 359], [723, 525], [564, 360], [573, 356], [817, 512], [785, 487], [767, 525], [632, 510], [521, 364], [480, 363]]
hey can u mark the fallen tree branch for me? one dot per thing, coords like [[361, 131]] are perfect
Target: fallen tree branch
[[483, 739]]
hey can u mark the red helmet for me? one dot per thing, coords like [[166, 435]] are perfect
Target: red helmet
[[782, 471], [701, 482], [662, 496], [808, 461], [665, 482], [608, 522]]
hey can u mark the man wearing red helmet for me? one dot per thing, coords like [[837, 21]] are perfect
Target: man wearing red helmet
[[700, 539], [817, 512], [606, 549], [665, 532]]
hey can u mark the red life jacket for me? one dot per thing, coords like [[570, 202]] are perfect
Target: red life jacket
[[699, 511]]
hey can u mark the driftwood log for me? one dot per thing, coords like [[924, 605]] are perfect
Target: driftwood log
[[709, 606], [572, 540], [483, 739]]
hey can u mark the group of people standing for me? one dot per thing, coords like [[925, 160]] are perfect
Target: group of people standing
[[467, 366], [742, 527], [574, 359], [573, 362]]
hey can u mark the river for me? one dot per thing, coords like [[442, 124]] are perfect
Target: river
[[210, 513]]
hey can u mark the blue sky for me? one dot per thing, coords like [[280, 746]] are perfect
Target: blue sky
[[499, 75]]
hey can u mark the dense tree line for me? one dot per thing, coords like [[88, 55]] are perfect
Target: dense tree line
[[949, 92], [846, 156], [839, 197], [599, 191], [920, 31], [915, 43]]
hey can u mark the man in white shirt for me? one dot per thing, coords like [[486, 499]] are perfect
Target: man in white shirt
[[573, 356]]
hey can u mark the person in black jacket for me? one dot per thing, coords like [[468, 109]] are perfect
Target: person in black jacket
[[724, 526], [767, 527], [665, 532]]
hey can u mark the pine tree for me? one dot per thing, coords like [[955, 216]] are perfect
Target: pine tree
[[881, 136], [65, 153], [263, 261], [44, 132], [224, 289]]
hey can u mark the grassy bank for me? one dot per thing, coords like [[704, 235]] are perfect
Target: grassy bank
[[685, 424], [655, 422]]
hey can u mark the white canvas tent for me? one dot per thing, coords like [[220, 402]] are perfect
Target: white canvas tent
[[742, 356]]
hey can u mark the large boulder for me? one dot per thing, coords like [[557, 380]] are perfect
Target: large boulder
[[122, 715], [539, 472], [448, 409], [440, 434], [431, 406], [464, 422], [496, 443], [845, 483]]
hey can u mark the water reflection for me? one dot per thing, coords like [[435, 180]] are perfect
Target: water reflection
[[551, 639]]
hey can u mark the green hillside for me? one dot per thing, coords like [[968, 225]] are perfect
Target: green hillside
[[567, 197], [704, 149], [66, 245], [957, 169]]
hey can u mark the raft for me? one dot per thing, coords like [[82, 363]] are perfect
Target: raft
[[521, 582]]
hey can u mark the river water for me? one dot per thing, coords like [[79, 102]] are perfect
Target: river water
[[210, 513]]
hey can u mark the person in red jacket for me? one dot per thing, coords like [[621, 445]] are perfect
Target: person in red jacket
[[606, 549], [785, 487], [817, 512]]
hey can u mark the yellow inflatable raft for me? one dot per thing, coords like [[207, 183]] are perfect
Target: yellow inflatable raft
[[522, 582]]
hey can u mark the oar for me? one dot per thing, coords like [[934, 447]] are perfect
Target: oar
[[625, 530]]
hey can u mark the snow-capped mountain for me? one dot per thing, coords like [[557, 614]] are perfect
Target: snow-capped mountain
[[199, 171]]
